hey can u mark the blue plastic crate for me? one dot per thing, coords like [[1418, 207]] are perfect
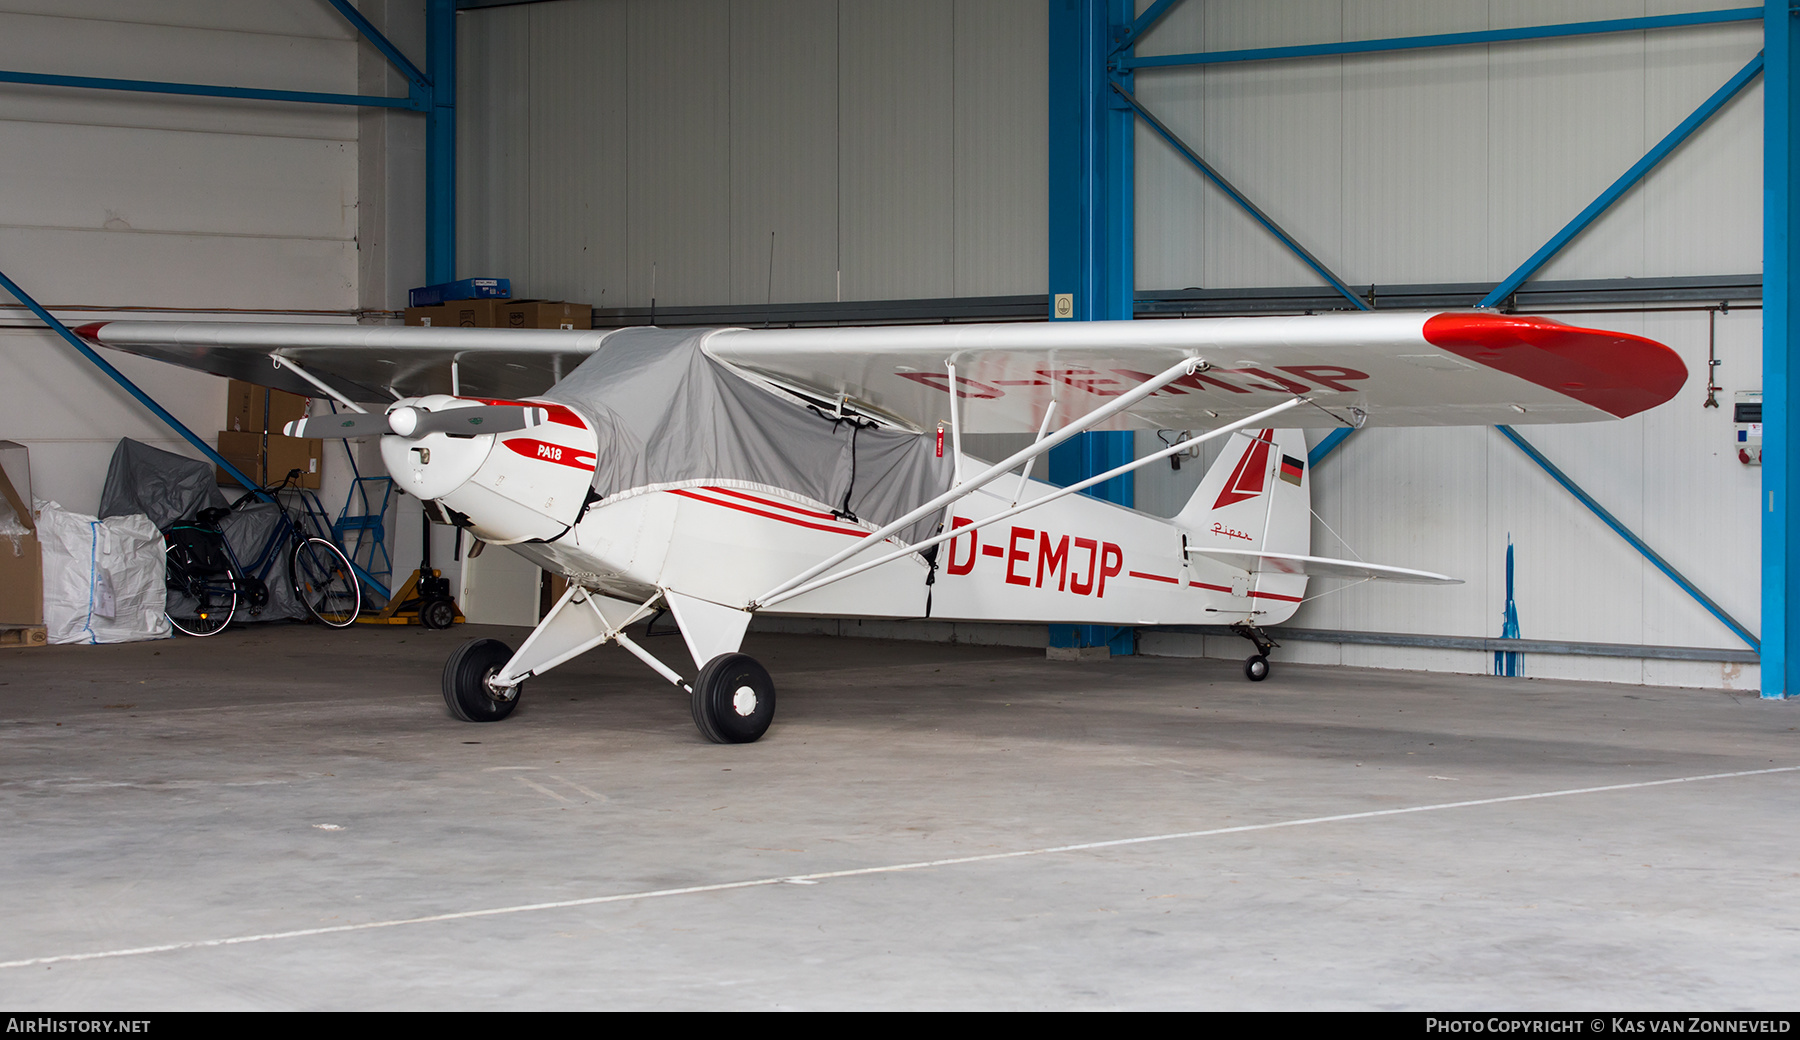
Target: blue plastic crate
[[464, 289]]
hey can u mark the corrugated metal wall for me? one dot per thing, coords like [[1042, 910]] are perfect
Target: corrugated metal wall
[[615, 150], [618, 148]]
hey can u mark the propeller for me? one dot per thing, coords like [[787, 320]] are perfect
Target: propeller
[[412, 422]]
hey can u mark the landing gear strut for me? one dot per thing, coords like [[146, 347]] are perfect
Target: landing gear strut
[[1256, 667]]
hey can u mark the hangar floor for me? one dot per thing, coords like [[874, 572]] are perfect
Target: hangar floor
[[283, 817]]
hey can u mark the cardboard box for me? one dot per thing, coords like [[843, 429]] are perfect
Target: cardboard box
[[267, 457], [21, 571], [546, 314], [469, 314], [254, 409]]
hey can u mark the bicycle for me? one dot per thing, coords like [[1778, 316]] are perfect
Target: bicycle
[[207, 583]]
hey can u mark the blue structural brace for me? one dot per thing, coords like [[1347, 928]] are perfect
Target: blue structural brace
[[1462, 39], [205, 90], [1781, 286]]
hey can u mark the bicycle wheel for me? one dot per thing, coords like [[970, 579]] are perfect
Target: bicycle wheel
[[197, 605], [324, 582]]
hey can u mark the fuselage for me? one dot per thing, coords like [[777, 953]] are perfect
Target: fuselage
[[1076, 559]]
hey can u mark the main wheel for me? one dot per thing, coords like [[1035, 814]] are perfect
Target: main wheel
[[468, 689], [324, 582], [1256, 668], [196, 605], [437, 613], [734, 700]]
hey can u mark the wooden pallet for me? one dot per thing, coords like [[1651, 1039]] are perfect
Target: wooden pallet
[[22, 635]]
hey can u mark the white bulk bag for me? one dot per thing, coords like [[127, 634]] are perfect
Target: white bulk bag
[[103, 579]]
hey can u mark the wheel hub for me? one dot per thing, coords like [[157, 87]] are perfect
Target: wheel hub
[[744, 701], [496, 691]]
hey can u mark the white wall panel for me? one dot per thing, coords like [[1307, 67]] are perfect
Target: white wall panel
[[577, 224], [784, 150], [901, 144], [678, 152], [897, 237], [1002, 144], [493, 130]]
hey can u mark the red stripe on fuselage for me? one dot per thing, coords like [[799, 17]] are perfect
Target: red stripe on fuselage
[[857, 532], [770, 503]]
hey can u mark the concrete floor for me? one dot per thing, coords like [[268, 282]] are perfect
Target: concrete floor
[[260, 820]]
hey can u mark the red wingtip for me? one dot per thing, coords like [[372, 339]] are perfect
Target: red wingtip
[[90, 331], [1614, 371]]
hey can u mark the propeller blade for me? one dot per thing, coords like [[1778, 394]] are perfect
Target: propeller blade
[[407, 421], [468, 422], [343, 424]]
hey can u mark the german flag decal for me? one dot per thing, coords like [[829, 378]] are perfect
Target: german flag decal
[[1291, 468]]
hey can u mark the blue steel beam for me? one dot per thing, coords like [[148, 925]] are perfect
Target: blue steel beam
[[440, 143], [1463, 39], [130, 387], [1242, 200], [1624, 532], [1625, 182], [1327, 445], [204, 90], [1781, 330], [392, 53]]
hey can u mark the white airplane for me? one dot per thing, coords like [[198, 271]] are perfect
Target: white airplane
[[725, 473]]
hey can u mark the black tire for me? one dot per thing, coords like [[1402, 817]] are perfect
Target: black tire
[[437, 614], [465, 681], [324, 582], [198, 605], [734, 700], [1256, 668]]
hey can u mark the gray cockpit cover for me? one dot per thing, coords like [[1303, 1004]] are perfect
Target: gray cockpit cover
[[665, 412]]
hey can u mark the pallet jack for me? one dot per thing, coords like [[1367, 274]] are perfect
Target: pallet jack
[[423, 598]]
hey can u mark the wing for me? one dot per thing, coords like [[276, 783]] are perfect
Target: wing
[[1387, 369], [365, 362], [1390, 369]]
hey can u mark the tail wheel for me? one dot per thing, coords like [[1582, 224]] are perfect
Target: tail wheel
[[734, 700], [324, 582], [469, 689], [1256, 668]]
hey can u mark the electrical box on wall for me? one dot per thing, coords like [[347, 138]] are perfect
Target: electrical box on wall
[[1747, 414]]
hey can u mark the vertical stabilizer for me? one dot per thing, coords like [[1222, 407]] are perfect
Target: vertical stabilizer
[[1257, 495]]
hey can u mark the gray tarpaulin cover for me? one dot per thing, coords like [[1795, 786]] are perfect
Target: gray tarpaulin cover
[[666, 412], [168, 488]]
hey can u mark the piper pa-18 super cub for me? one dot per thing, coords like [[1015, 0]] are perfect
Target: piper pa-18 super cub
[[725, 473]]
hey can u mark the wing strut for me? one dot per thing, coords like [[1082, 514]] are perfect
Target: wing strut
[[1187, 442], [288, 363], [1185, 367]]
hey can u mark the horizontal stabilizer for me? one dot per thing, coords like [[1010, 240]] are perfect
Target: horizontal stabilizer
[[1289, 563]]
